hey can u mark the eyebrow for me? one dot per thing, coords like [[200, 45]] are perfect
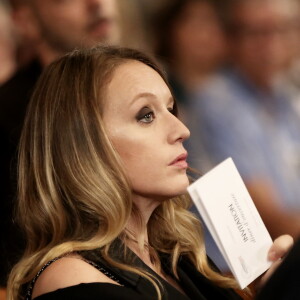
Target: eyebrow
[[149, 95]]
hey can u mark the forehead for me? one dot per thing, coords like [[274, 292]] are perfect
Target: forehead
[[132, 81], [133, 68]]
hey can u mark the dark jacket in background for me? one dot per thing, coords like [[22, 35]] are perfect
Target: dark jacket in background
[[14, 98]]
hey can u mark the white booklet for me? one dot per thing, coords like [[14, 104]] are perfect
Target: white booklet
[[228, 211]]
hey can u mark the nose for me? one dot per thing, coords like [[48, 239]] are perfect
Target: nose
[[178, 132]]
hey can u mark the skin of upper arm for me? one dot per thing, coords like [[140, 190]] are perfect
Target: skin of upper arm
[[65, 272]]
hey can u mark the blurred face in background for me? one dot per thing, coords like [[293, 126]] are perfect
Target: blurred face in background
[[197, 35], [66, 24], [260, 43]]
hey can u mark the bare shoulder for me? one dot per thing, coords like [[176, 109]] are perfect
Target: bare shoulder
[[65, 272]]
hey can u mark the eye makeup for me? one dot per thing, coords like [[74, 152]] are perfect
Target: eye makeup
[[142, 112], [145, 115]]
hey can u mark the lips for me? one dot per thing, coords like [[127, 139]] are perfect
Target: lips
[[180, 161]]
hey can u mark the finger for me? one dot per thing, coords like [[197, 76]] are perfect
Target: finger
[[280, 247], [268, 274]]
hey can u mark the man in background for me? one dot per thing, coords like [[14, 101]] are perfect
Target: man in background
[[242, 113], [53, 28]]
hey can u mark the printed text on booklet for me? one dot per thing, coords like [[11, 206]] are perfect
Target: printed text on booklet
[[227, 209]]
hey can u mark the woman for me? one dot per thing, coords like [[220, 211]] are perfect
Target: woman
[[102, 183]]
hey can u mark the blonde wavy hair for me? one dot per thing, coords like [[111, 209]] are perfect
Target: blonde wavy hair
[[73, 194]]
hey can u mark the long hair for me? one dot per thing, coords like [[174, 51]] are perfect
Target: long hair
[[73, 193]]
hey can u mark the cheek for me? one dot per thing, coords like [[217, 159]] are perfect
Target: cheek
[[148, 172], [146, 166], [140, 158], [136, 155]]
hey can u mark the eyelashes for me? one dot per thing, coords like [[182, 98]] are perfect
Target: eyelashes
[[147, 115]]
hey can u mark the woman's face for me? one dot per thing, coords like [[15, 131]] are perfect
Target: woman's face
[[148, 137]]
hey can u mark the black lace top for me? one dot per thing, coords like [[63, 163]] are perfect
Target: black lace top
[[133, 286]]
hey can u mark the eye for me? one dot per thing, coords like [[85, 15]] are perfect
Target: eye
[[148, 118], [145, 115]]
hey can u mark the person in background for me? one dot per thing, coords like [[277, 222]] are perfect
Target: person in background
[[103, 188], [189, 41], [54, 28], [8, 44], [241, 114], [290, 79]]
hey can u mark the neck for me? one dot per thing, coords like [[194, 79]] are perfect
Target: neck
[[136, 233], [136, 228], [145, 206]]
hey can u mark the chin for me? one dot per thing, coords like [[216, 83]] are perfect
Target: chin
[[180, 187]]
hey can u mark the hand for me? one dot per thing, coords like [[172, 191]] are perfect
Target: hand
[[278, 250]]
